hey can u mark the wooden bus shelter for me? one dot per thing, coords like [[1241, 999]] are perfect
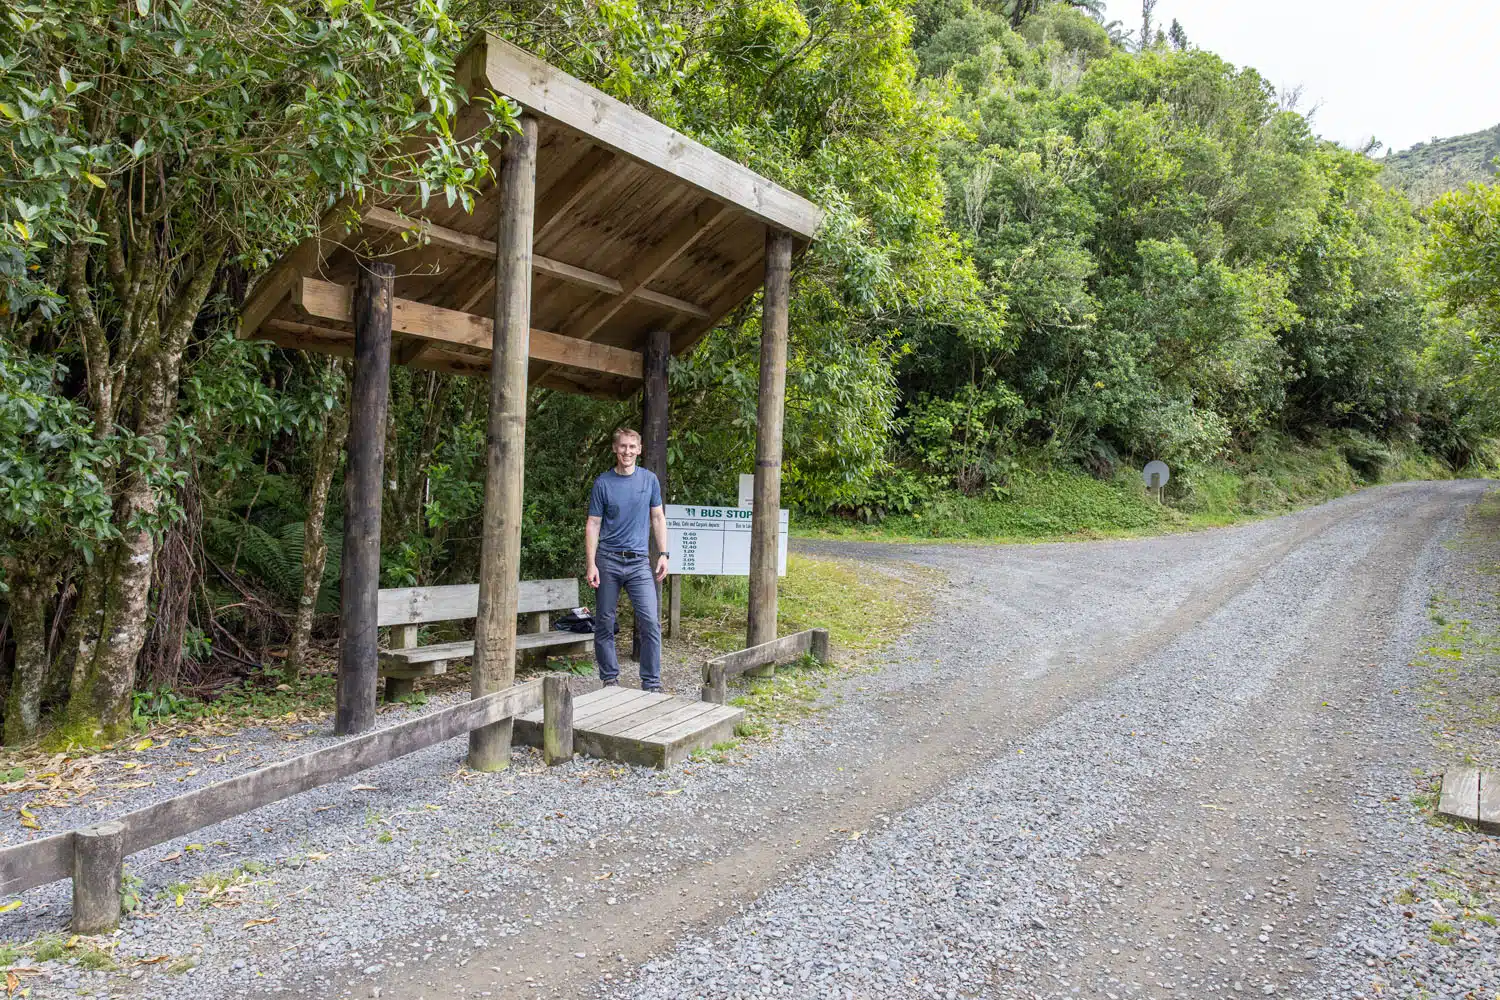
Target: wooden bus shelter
[[608, 243]]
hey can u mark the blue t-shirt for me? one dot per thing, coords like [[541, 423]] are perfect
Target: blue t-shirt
[[623, 503]]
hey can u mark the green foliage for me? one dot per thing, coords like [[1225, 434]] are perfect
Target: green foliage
[[151, 706]]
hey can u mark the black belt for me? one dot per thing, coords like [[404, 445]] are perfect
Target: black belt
[[625, 554]]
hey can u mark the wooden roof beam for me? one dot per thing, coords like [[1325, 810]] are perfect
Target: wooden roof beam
[[384, 218], [326, 300], [553, 94], [649, 266]]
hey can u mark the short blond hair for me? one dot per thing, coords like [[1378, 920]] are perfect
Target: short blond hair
[[625, 432]]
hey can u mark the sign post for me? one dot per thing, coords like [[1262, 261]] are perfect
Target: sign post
[[1155, 475]]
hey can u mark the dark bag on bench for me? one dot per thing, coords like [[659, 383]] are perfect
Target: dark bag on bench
[[578, 620]]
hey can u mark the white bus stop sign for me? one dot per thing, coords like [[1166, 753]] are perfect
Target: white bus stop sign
[[714, 541], [1155, 475]]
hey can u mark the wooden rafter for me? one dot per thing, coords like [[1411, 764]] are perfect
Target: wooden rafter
[[329, 301], [648, 267], [476, 246]]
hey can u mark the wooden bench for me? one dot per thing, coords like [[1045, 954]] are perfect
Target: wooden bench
[[408, 607]]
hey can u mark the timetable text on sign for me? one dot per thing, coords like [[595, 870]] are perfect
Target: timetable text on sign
[[715, 541]]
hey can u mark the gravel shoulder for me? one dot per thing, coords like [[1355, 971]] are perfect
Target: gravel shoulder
[[1092, 760]]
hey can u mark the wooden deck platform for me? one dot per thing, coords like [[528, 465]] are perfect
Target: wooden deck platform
[[619, 723]]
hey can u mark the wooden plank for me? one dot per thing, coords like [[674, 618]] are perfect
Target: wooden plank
[[364, 484], [585, 705], [1489, 801], [452, 239], [681, 711], [415, 605], [1460, 795], [570, 189], [327, 300], [36, 862], [172, 818], [770, 416], [425, 654], [716, 716], [677, 745], [649, 266], [740, 660], [26, 866], [281, 280], [646, 715], [643, 701], [436, 668], [550, 92]]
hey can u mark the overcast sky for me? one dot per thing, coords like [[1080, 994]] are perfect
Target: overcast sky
[[1402, 72]]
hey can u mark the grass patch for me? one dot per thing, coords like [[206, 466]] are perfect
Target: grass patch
[[1277, 476], [789, 696], [57, 948], [863, 607]]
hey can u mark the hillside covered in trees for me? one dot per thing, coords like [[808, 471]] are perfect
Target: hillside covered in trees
[[1050, 250], [1430, 169]]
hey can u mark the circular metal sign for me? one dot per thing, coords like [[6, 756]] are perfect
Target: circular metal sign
[[1156, 474]]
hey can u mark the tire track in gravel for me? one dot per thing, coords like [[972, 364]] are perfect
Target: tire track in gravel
[[903, 760], [945, 901], [1225, 885]]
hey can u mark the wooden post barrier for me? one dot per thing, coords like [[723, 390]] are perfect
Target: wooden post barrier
[[716, 672], [557, 719], [98, 871], [94, 857]]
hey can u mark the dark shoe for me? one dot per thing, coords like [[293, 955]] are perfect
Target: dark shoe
[[611, 684]]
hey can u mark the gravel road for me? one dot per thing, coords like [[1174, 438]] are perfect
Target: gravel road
[[1172, 767]]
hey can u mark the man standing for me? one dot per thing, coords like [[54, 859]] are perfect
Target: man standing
[[626, 500]]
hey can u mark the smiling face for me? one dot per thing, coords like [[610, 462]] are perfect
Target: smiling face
[[627, 450]]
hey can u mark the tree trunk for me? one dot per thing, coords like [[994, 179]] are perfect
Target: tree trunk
[[99, 705], [30, 595], [314, 549]]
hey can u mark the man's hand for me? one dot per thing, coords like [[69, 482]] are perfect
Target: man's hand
[[661, 567], [592, 575]]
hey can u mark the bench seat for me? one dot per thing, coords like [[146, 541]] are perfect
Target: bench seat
[[465, 648], [406, 608]]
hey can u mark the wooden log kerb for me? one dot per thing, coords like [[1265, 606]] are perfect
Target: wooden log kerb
[[765, 523], [753, 659], [38, 862], [557, 719], [500, 535], [359, 640]]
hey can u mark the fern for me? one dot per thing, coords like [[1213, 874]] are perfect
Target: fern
[[293, 538]]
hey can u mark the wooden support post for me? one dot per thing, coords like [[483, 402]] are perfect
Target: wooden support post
[[557, 719], [359, 637], [396, 688], [98, 868], [674, 602], [500, 535], [655, 358], [765, 523], [820, 650]]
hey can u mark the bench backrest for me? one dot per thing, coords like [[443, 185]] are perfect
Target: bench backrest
[[415, 605]]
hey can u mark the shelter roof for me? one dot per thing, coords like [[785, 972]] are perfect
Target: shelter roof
[[637, 228]]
